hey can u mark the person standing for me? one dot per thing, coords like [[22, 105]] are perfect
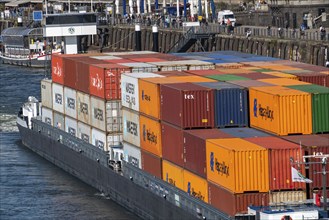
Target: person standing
[[322, 32]]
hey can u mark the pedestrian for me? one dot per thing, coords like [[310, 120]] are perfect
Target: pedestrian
[[248, 33], [269, 30], [322, 32]]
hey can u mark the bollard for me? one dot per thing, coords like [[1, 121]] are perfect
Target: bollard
[[138, 43], [155, 38]]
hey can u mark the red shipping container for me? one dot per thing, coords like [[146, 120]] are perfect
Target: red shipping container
[[233, 204], [314, 78], [70, 71], [205, 72], [105, 80], [313, 144], [280, 152], [187, 105], [194, 148], [172, 143], [256, 75], [151, 164], [173, 73]]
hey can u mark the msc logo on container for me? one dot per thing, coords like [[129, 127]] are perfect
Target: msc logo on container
[[85, 137], [220, 167], [58, 99], [71, 131], [133, 160], [84, 108], [70, 103], [97, 82], [132, 128], [264, 112], [98, 114]]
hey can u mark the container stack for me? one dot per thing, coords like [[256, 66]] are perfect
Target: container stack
[[221, 126]]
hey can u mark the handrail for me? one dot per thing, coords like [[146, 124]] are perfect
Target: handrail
[[182, 41]]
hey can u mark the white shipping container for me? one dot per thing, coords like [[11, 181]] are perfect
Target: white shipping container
[[59, 120], [131, 127], [84, 132], [47, 115], [139, 67], [98, 139], [98, 118], [71, 126], [171, 65], [129, 88], [201, 65], [132, 154], [46, 93], [83, 101], [113, 116], [58, 98], [70, 102]]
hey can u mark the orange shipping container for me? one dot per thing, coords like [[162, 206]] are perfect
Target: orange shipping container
[[284, 82], [150, 132], [280, 110], [282, 75], [237, 165], [149, 91], [195, 186], [173, 174]]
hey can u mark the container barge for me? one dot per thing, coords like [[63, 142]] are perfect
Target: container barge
[[109, 120]]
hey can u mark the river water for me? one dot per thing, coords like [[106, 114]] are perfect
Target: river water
[[30, 186]]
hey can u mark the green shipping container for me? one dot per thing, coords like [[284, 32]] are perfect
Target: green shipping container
[[320, 106], [226, 77]]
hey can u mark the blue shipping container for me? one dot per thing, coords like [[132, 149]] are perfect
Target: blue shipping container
[[231, 104], [244, 132]]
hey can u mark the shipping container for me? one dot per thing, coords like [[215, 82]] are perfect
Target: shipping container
[[84, 132], [58, 98], [284, 82], [279, 153], [282, 75], [313, 145], [70, 71], [171, 65], [320, 106], [98, 139], [200, 65], [105, 80], [231, 203], [244, 132], [132, 154], [287, 197], [141, 67], [151, 164], [59, 120], [231, 104], [226, 77], [315, 78], [130, 91], [249, 83], [194, 148], [150, 131], [71, 126], [173, 174], [256, 75], [98, 113], [46, 93], [57, 74], [237, 165], [280, 110], [149, 91], [47, 115], [193, 108], [173, 73], [205, 72], [195, 186], [131, 127], [146, 59], [113, 116], [83, 102], [70, 102]]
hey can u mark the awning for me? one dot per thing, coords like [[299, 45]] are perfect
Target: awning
[[20, 2]]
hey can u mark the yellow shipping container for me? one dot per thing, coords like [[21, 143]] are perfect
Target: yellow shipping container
[[282, 75], [234, 71], [284, 82], [173, 174], [150, 135], [149, 91], [237, 165], [280, 110], [196, 186]]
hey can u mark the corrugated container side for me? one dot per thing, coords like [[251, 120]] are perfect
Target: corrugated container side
[[205, 72], [131, 127], [195, 186], [315, 78], [98, 117], [283, 82], [98, 139], [150, 131], [286, 197], [84, 132], [172, 143], [233, 204], [249, 83], [256, 75], [313, 144], [83, 101], [194, 148], [320, 103], [70, 71], [59, 120], [58, 98], [46, 93], [113, 116], [237, 165], [280, 110], [47, 116], [244, 132], [70, 102], [132, 154], [71, 126], [173, 174], [193, 108], [151, 164], [227, 77], [280, 152]]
